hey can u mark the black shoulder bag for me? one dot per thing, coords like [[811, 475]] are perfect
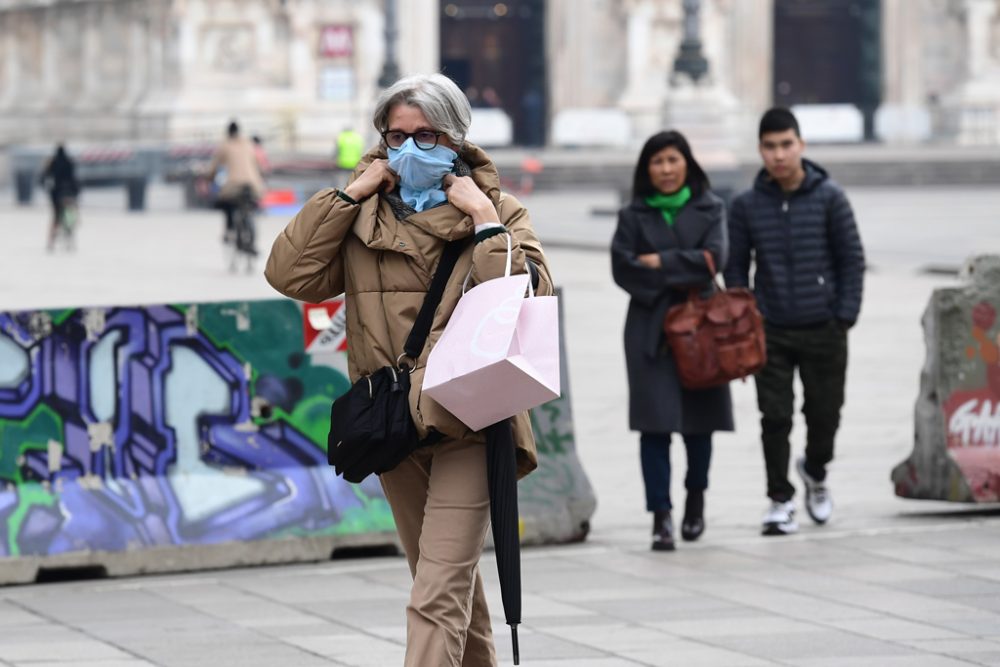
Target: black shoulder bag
[[371, 430]]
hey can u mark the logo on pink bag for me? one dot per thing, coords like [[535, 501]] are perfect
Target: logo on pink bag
[[490, 341]]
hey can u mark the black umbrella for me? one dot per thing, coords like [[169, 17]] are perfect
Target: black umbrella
[[501, 477]]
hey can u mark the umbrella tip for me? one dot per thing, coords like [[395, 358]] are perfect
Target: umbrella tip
[[513, 638]]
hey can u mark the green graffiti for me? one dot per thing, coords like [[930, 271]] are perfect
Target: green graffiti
[[17, 438], [60, 316], [311, 417], [550, 442], [271, 335], [34, 432]]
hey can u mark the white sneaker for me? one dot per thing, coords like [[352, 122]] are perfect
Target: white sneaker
[[780, 519], [819, 504]]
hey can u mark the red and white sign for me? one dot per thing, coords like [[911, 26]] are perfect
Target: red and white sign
[[336, 41], [972, 419], [324, 327]]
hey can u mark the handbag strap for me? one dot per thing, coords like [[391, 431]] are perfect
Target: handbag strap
[[425, 318], [710, 261]]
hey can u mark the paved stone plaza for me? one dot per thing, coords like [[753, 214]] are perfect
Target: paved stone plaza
[[888, 582]]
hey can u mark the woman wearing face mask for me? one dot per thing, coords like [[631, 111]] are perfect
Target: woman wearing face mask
[[378, 241], [657, 256]]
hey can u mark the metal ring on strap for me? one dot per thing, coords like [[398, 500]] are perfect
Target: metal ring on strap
[[399, 362]]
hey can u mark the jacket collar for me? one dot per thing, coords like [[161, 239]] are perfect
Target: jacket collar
[[378, 227], [815, 175]]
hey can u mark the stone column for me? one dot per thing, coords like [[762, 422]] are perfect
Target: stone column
[[7, 59], [646, 60], [698, 102], [903, 116], [749, 62], [975, 105]]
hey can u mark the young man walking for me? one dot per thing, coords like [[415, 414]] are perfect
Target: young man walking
[[798, 228]]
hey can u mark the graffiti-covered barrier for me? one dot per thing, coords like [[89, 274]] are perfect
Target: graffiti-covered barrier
[[956, 453], [172, 437]]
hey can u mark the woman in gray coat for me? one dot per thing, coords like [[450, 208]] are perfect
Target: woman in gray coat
[[657, 257]]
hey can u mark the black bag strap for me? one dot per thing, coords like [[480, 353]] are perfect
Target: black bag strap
[[422, 326]]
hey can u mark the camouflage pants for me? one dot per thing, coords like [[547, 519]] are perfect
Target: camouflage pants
[[820, 354]]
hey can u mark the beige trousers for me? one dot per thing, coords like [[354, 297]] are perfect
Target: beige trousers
[[441, 505]]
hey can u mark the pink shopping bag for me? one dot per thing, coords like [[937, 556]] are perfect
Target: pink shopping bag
[[498, 355]]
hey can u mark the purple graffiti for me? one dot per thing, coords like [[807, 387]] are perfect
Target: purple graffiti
[[112, 487]]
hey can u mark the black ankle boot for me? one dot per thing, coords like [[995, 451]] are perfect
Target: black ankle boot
[[693, 524], [663, 531]]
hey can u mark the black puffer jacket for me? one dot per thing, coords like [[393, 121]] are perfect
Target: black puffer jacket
[[808, 255]]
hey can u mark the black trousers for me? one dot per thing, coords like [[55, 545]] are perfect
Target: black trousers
[[820, 354]]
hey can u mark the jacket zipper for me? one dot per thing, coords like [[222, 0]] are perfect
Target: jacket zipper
[[787, 218]]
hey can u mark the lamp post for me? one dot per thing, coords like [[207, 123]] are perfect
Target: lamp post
[[390, 68], [690, 60]]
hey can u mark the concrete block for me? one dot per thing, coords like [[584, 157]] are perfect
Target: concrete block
[[591, 127], [491, 128], [830, 123], [179, 437], [956, 453]]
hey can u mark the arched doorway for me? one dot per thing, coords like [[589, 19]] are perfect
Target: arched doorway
[[495, 51], [829, 52]]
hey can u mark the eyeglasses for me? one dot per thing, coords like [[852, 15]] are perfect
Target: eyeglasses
[[424, 139]]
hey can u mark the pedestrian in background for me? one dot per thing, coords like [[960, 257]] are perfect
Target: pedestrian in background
[[798, 228], [59, 178], [379, 241], [657, 256]]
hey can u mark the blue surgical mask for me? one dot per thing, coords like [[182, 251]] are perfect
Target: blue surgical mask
[[421, 172]]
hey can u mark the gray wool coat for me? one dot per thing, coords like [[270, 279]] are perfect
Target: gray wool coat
[[657, 401]]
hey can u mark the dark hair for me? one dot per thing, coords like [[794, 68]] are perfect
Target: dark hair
[[778, 119], [234, 129], [642, 186]]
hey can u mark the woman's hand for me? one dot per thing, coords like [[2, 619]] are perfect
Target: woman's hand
[[465, 195], [650, 260], [376, 177]]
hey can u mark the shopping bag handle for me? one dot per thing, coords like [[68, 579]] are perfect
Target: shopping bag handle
[[506, 270]]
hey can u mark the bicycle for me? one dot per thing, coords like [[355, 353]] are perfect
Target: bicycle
[[241, 239], [67, 220]]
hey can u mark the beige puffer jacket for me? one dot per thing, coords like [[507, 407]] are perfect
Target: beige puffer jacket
[[238, 157], [384, 267]]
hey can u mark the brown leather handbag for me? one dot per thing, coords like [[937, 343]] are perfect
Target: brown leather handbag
[[716, 339]]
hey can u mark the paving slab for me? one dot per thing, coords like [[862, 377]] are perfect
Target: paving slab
[[888, 582]]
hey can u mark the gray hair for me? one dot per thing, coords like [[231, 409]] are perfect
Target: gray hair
[[437, 96]]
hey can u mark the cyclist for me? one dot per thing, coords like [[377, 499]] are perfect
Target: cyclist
[[236, 155], [59, 178]]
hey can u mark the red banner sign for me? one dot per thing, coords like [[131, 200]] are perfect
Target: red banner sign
[[324, 327], [336, 41]]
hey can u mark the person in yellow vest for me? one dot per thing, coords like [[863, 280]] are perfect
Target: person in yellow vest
[[350, 148]]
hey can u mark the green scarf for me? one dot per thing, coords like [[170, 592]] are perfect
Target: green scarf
[[670, 205]]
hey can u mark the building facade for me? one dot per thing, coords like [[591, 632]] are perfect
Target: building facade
[[572, 72]]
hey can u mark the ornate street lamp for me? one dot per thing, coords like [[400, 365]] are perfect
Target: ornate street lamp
[[690, 60], [390, 68]]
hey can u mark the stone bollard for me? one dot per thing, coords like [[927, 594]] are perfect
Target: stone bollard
[[135, 189], [24, 185], [956, 453]]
